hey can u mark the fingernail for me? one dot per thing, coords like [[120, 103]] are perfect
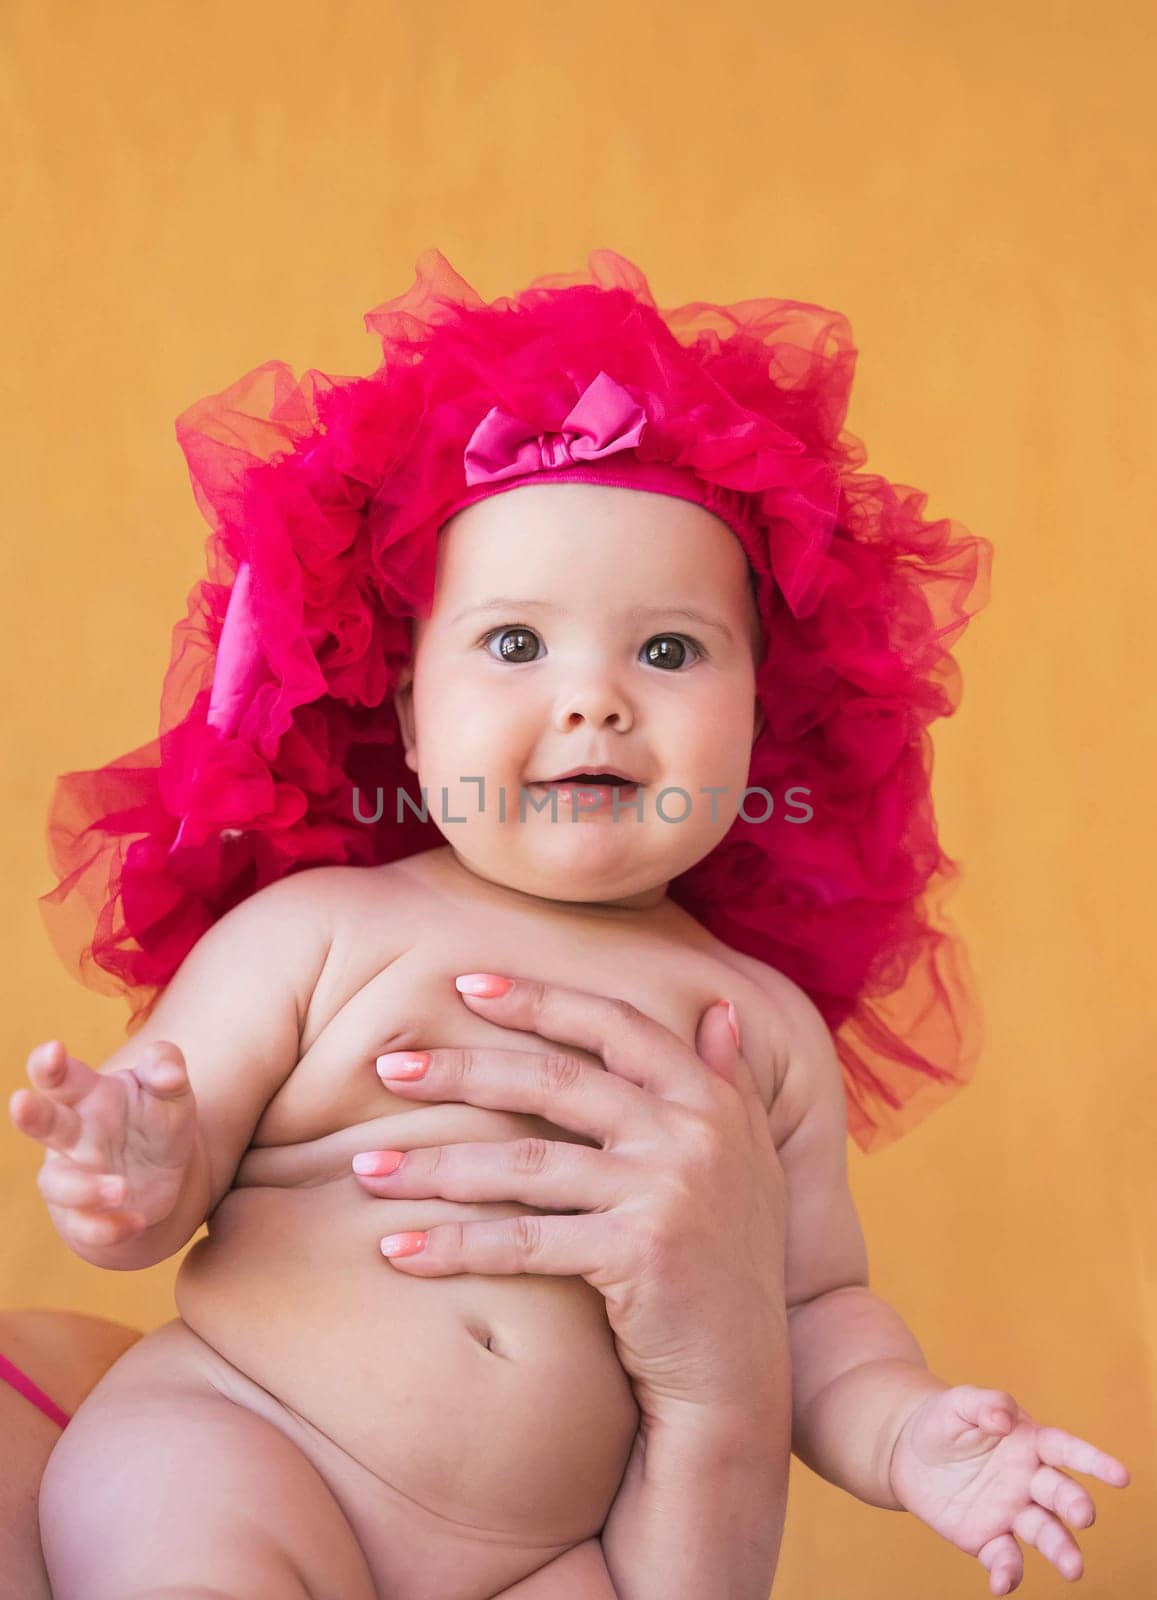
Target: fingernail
[[733, 1023], [402, 1244], [485, 985], [378, 1163], [403, 1064]]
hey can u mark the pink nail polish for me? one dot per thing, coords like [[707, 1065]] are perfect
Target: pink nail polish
[[483, 985], [402, 1244], [378, 1163], [403, 1064], [733, 1023]]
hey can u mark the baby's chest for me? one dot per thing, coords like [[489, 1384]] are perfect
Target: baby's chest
[[373, 1000]]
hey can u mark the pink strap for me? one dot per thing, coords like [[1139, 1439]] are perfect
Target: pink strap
[[24, 1385], [239, 658]]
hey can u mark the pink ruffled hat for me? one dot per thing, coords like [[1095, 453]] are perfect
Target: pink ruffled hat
[[325, 497]]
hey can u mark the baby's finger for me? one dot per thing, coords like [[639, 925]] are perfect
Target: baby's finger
[[1061, 1449], [58, 1075], [1056, 1492], [989, 1410], [1040, 1528], [55, 1126], [162, 1070], [104, 1227], [1004, 1562], [62, 1184]]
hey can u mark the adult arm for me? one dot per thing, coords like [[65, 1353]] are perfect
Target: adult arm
[[700, 1512], [698, 1515], [578, 1574], [677, 1218]]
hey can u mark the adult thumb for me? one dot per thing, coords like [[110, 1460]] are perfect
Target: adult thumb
[[715, 1043]]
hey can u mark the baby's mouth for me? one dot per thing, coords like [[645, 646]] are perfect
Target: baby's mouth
[[596, 790]]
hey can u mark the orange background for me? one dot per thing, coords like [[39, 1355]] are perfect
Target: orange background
[[195, 190]]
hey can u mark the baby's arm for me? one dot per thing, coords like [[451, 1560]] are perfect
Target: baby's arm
[[868, 1415], [857, 1371], [234, 1011]]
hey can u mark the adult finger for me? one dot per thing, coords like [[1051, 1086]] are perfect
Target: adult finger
[[717, 1043], [565, 1090], [547, 1173], [631, 1044], [563, 1247]]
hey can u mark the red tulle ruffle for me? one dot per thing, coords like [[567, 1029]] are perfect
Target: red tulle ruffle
[[331, 489]]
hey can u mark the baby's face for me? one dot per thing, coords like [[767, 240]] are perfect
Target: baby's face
[[559, 640]]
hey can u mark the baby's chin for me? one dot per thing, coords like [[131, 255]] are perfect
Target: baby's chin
[[581, 863]]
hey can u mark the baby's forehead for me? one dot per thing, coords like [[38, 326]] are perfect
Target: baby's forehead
[[590, 554], [586, 536]]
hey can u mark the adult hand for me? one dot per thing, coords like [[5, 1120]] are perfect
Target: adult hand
[[681, 1221]]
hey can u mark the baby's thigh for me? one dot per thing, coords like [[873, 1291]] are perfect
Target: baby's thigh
[[160, 1485]]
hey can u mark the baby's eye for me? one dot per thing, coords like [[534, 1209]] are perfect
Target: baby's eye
[[512, 642], [659, 652], [668, 651]]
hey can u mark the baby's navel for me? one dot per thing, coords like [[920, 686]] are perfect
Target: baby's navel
[[487, 1338]]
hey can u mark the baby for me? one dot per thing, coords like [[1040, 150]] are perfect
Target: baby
[[439, 1438], [314, 1423]]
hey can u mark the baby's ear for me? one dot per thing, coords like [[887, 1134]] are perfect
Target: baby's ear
[[404, 706]]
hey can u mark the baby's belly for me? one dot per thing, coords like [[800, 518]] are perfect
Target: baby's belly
[[496, 1402]]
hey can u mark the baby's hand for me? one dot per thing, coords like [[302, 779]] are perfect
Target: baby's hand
[[974, 1466], [118, 1143]]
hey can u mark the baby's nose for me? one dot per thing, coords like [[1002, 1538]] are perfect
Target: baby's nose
[[601, 704]]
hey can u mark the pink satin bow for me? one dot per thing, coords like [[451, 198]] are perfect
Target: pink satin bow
[[602, 420]]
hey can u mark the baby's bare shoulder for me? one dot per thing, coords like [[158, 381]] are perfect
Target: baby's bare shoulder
[[345, 896], [324, 899], [365, 918], [286, 930]]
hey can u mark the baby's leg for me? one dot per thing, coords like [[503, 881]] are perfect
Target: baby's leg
[[161, 1486]]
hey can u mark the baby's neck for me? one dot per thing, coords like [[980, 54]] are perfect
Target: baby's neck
[[443, 862]]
